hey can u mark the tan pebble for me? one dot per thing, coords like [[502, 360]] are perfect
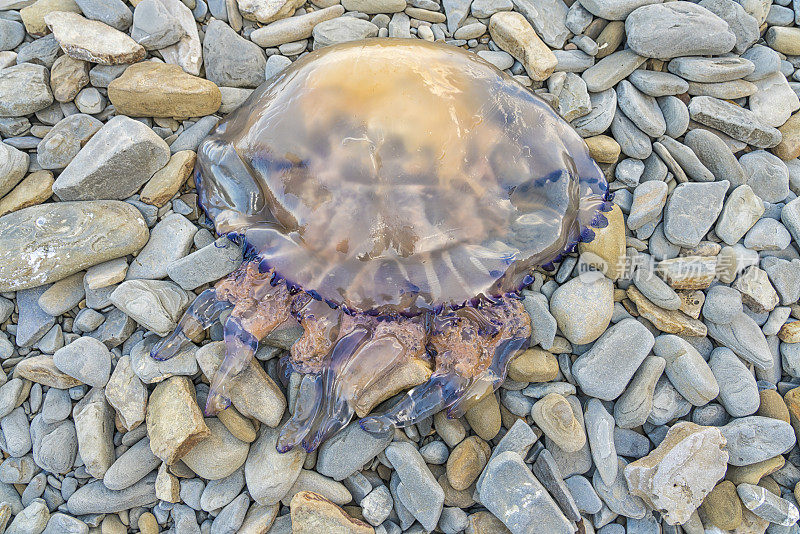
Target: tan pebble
[[150, 89], [669, 321], [769, 484], [691, 302], [606, 251], [485, 523], [166, 182], [34, 189], [533, 365], [772, 405], [168, 488], [174, 421], [722, 506], [610, 38], [112, 525], [484, 417], [467, 461], [147, 523], [789, 147], [33, 15], [313, 514], [514, 34], [410, 373], [452, 431], [237, 424], [792, 400], [554, 416], [453, 497], [603, 148], [753, 473], [790, 332]]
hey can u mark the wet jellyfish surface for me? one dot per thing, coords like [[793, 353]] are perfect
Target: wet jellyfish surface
[[393, 196]]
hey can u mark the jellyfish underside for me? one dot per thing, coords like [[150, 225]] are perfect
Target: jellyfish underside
[[342, 355], [393, 196]]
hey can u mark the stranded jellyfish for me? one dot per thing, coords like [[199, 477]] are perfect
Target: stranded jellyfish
[[393, 197]]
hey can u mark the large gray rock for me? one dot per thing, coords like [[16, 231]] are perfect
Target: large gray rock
[[676, 29], [95, 498], [755, 438], [24, 89], [615, 9], [46, 243], [691, 211], [115, 162], [605, 370], [13, 166], [63, 142], [738, 122], [348, 451], [231, 60], [507, 482]]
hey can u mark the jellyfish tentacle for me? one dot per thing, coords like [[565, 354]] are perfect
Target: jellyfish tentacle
[[363, 352], [240, 347], [491, 379], [307, 405], [204, 311], [420, 402], [258, 308], [471, 362]]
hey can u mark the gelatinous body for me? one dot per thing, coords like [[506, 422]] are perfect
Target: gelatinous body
[[393, 196]]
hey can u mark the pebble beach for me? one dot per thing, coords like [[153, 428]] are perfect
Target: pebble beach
[[661, 391]]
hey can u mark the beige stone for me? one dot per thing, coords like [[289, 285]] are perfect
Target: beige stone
[[265, 11], [554, 416], [293, 28], [34, 189], [168, 487], [466, 462], [237, 424], [485, 523], [790, 332], [772, 405], [610, 38], [174, 421], [67, 77], [676, 477], [789, 147], [410, 373], [533, 365], [152, 89], [688, 272], [691, 302], [370, 7], [454, 497], [313, 514], [42, 370], [484, 417], [603, 149], [33, 15], [753, 473], [253, 393], [168, 181], [606, 252], [514, 34], [217, 456], [259, 519], [722, 506], [668, 321], [92, 40]]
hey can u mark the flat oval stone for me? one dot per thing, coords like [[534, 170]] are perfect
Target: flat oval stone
[[48, 242], [675, 29]]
